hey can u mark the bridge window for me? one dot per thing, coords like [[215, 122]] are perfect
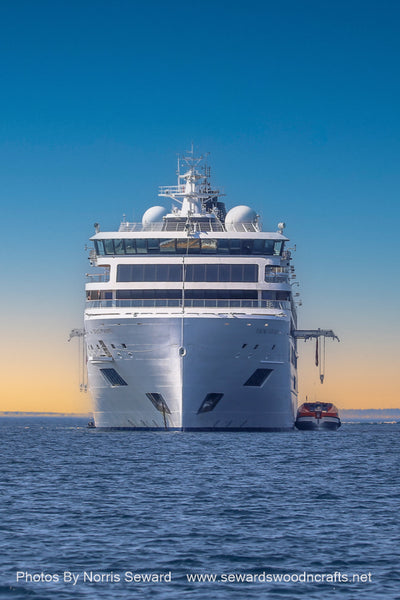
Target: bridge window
[[99, 247], [167, 246], [130, 246], [141, 246], [119, 247], [109, 246], [223, 246]]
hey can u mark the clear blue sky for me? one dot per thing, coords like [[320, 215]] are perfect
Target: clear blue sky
[[297, 102]]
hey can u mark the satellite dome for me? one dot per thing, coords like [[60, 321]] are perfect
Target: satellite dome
[[154, 214], [240, 214]]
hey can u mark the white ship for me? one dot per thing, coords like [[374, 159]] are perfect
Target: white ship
[[191, 323]]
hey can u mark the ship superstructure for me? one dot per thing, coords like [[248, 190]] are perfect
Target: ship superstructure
[[191, 323]]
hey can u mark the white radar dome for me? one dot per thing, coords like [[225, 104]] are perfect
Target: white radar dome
[[154, 214], [240, 214]]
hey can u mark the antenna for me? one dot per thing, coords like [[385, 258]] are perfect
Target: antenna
[[178, 170]]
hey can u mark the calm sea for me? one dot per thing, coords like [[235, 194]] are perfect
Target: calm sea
[[267, 515]]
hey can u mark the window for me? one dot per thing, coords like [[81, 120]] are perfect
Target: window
[[235, 246], [189, 294], [141, 246], [130, 246], [148, 272], [109, 246], [208, 246], [181, 245], [224, 273], [221, 294], [250, 273], [209, 272], [99, 247], [272, 295], [258, 378], [158, 402], [223, 246], [189, 245], [221, 272], [149, 294], [209, 403], [113, 377], [167, 246], [119, 247], [275, 273], [193, 246], [99, 295], [153, 246], [258, 246]]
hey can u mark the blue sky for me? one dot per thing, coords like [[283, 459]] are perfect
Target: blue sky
[[298, 104]]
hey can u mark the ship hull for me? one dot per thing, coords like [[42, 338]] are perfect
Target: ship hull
[[191, 372], [312, 424]]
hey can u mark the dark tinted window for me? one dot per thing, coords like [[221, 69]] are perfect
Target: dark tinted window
[[130, 246], [113, 377], [119, 247], [209, 402], [141, 246], [109, 246], [258, 377], [221, 272], [149, 272], [189, 294], [99, 247], [168, 246], [153, 246], [158, 401], [189, 246]]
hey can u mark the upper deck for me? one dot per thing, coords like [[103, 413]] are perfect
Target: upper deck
[[195, 256], [196, 213]]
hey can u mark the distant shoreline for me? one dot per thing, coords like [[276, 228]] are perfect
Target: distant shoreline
[[10, 413], [346, 414]]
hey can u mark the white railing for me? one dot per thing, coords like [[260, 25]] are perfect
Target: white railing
[[98, 277], [191, 226], [281, 278], [171, 189], [154, 303]]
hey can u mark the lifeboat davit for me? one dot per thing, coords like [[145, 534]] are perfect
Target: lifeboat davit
[[317, 415]]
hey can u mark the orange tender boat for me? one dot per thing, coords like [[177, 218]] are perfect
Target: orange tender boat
[[317, 415]]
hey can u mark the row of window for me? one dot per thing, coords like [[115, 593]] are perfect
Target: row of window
[[174, 294], [188, 294], [257, 379], [208, 272], [187, 246]]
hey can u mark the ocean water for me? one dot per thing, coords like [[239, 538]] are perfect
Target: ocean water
[[310, 508]]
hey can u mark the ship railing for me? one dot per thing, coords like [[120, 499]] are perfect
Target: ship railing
[[171, 189], [98, 277], [191, 226], [188, 303], [281, 278]]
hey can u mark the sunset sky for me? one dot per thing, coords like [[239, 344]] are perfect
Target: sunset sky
[[298, 105]]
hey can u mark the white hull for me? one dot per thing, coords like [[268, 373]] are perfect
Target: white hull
[[184, 358]]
